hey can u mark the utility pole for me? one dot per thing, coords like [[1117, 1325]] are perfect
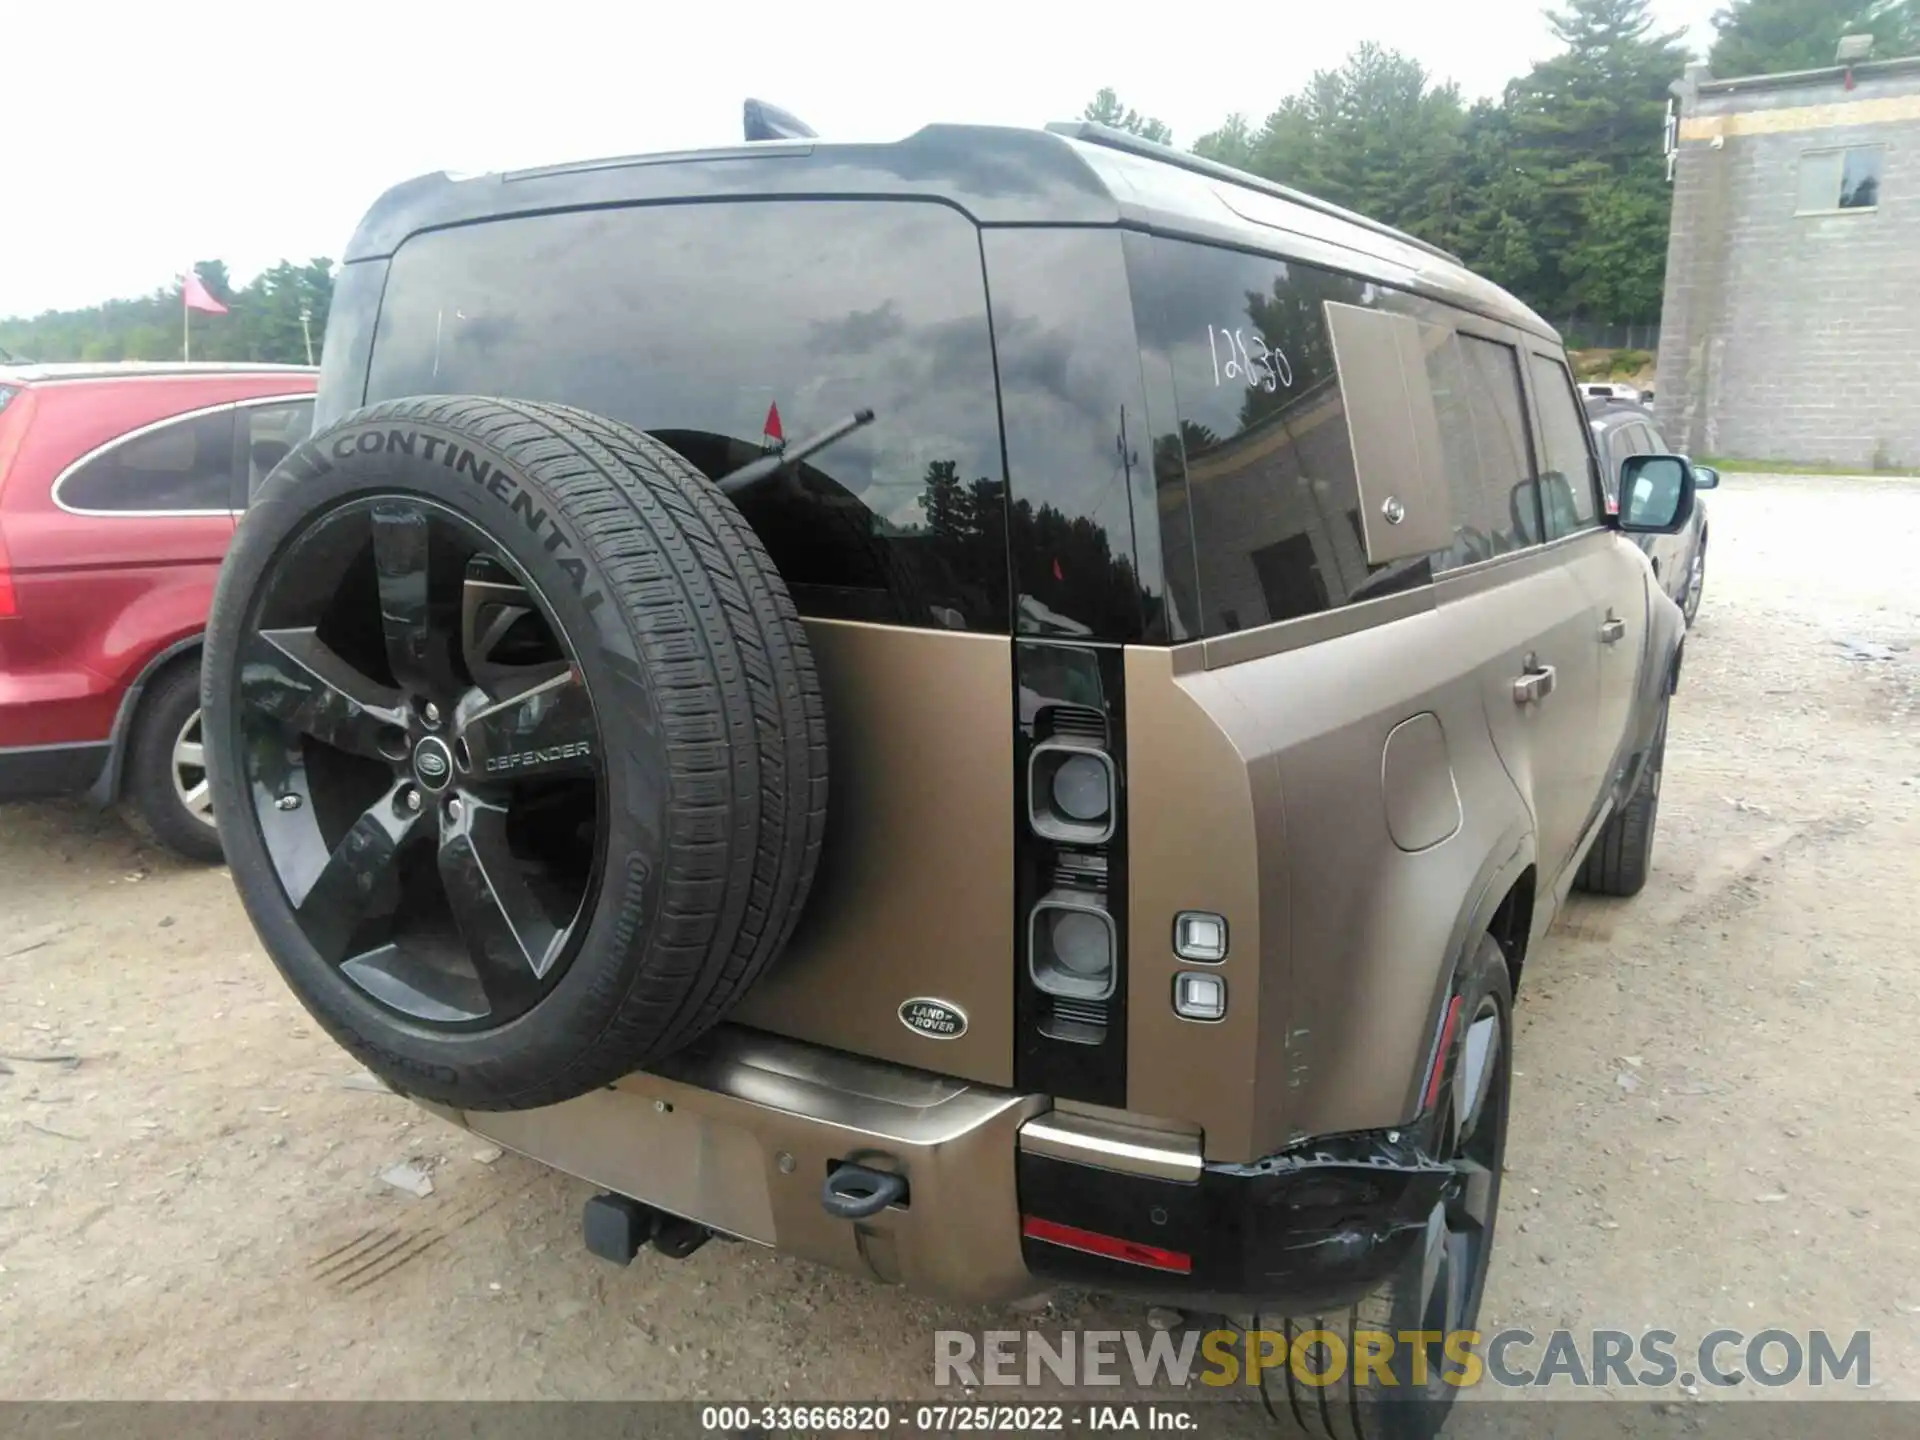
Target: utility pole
[[306, 329]]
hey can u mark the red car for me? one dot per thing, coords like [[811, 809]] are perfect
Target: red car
[[119, 489]]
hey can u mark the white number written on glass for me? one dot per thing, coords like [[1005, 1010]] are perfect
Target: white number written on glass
[[1243, 357]]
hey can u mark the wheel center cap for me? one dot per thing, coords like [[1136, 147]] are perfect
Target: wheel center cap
[[433, 764]]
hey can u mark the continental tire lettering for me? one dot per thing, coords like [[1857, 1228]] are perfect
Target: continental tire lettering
[[524, 507], [467, 464], [496, 480], [497, 763]]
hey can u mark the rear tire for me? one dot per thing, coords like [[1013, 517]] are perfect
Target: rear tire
[[169, 792], [1696, 582], [1622, 858], [1403, 1409]]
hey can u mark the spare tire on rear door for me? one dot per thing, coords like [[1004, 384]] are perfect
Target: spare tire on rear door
[[516, 745]]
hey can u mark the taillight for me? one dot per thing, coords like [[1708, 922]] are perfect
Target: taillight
[[1070, 871], [8, 606]]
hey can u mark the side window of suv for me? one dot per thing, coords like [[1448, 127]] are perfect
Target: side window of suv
[[726, 328], [1483, 441], [179, 467], [1566, 467], [1260, 435]]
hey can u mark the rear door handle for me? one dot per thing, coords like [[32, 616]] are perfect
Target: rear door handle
[[1614, 629], [1536, 684]]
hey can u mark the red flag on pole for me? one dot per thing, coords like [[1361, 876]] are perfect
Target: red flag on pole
[[197, 297]]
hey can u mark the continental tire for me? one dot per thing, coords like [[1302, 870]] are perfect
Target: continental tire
[[516, 746], [1407, 1396]]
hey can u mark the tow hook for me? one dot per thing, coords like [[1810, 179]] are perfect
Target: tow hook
[[616, 1227], [853, 1192]]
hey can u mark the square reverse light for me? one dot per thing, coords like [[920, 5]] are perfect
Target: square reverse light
[[1198, 935], [1200, 997]]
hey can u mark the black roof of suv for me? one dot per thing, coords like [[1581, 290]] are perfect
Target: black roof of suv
[[1068, 174]]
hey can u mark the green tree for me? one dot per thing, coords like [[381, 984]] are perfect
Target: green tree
[[262, 321], [1375, 135], [1768, 37], [1494, 230], [1232, 144], [1589, 120], [1105, 109]]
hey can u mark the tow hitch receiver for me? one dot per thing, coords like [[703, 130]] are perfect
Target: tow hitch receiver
[[616, 1227]]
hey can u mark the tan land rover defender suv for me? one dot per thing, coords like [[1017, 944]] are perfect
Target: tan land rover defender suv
[[995, 709]]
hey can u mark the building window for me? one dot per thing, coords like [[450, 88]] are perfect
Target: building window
[[1840, 179]]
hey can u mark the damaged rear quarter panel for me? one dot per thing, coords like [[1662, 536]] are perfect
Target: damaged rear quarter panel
[[1260, 793]]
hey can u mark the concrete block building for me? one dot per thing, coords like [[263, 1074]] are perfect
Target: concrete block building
[[1791, 323]]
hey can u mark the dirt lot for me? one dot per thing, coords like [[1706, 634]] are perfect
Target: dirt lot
[[1719, 1087]]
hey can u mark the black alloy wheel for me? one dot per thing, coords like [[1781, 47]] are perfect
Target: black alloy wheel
[[424, 761], [1472, 1127]]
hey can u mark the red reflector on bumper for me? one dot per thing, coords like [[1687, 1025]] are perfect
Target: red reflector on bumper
[[1091, 1242]]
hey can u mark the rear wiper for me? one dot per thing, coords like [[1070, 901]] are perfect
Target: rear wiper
[[789, 455]]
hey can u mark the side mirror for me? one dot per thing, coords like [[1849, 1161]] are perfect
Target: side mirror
[[1656, 494], [1705, 477]]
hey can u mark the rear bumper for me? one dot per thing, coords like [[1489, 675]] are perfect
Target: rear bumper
[[740, 1134], [1307, 1230]]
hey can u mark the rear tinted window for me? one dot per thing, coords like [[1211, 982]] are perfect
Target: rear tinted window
[[180, 466], [719, 327], [1260, 439]]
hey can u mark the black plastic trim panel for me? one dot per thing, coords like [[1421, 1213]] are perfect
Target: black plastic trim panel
[[35, 771], [1318, 1225]]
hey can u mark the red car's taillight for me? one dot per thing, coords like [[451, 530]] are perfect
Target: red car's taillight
[[8, 606]]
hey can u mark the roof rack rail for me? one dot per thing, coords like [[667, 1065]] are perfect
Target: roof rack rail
[[1113, 139]]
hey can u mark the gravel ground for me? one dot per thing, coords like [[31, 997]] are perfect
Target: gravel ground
[[1719, 1082]]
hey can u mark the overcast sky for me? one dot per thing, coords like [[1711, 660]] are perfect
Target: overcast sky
[[140, 137]]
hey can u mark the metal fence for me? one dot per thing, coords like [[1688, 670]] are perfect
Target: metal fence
[[1582, 334]]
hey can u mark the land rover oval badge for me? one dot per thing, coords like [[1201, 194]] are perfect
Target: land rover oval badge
[[936, 1019]]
